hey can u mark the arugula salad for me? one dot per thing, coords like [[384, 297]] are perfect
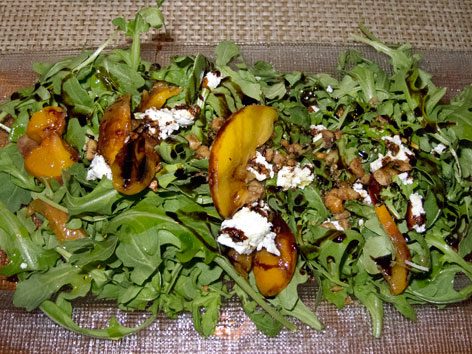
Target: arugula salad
[[169, 189]]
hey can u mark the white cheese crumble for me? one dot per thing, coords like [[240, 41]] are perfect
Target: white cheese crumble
[[419, 228], [329, 89], [403, 153], [169, 119], [23, 265], [213, 80], [314, 108], [255, 227], [266, 167], [359, 188], [439, 149], [417, 210], [417, 204], [335, 223], [317, 129], [405, 178], [99, 169], [295, 176]]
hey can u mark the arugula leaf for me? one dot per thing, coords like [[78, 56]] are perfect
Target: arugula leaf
[[225, 51], [30, 293], [62, 315], [100, 200]]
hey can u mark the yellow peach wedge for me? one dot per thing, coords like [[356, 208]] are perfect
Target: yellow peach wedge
[[51, 157], [272, 272], [158, 96], [57, 221], [234, 145], [49, 119], [115, 128]]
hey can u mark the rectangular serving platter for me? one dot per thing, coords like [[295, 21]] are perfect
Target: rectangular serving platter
[[347, 331]]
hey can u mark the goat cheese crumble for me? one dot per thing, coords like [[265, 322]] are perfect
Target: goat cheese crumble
[[405, 178], [254, 231], [264, 169], [403, 153], [98, 169], [417, 210], [295, 176], [359, 188], [169, 119], [439, 149], [317, 129], [213, 80]]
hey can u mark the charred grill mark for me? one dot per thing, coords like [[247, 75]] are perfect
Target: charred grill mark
[[127, 165]]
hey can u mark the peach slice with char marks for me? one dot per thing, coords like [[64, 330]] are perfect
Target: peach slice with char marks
[[114, 128], [272, 272], [234, 145], [135, 166]]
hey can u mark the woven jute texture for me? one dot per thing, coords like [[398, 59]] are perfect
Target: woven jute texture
[[70, 24]]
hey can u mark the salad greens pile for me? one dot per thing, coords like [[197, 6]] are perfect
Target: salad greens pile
[[157, 250]]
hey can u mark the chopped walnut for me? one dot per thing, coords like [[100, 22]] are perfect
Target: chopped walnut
[[269, 155], [203, 152], [279, 160], [365, 179], [328, 138], [356, 167], [344, 223], [256, 191], [217, 123], [384, 175], [332, 157], [193, 142], [344, 192], [90, 149], [291, 162], [394, 148], [344, 215], [401, 166], [334, 204]]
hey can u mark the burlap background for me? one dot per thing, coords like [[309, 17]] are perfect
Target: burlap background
[[65, 24]]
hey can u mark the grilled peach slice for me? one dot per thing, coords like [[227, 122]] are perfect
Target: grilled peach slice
[[273, 273], [57, 221], [134, 166], [51, 157], [49, 119], [234, 145], [115, 128], [158, 96]]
